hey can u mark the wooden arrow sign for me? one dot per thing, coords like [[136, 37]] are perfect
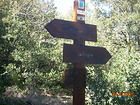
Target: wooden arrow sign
[[85, 54], [72, 30]]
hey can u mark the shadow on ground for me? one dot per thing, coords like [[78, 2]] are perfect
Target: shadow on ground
[[34, 97]]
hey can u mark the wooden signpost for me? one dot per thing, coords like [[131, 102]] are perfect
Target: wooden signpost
[[72, 30], [85, 54], [78, 53]]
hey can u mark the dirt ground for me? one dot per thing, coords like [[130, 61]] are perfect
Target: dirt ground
[[35, 97]]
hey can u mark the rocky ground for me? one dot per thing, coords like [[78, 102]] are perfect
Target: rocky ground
[[35, 97]]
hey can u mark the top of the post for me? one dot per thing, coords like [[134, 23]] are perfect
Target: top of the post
[[79, 11]]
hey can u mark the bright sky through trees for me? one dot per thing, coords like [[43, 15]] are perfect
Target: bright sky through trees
[[63, 6]]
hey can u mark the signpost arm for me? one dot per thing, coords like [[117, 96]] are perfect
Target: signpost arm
[[79, 85]]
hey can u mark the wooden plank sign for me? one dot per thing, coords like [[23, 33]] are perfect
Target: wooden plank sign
[[85, 54], [72, 30]]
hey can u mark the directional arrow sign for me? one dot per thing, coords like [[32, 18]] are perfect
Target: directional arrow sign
[[72, 30], [85, 54]]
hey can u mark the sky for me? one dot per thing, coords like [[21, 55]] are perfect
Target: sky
[[63, 6]]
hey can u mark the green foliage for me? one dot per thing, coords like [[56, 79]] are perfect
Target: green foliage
[[5, 48], [29, 56], [118, 31]]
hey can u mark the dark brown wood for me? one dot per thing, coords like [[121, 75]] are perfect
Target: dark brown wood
[[85, 54], [80, 81], [72, 30], [79, 85]]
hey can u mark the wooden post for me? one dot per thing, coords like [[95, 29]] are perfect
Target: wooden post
[[79, 83]]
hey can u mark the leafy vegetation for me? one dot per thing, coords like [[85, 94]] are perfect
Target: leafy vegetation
[[30, 57], [118, 31]]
